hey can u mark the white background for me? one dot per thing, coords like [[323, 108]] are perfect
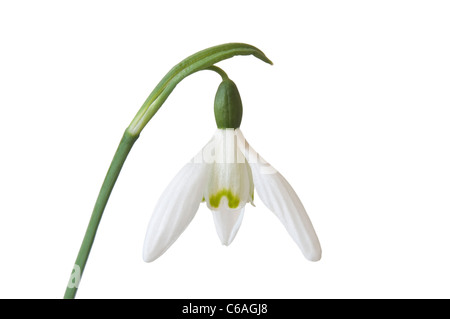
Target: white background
[[354, 113]]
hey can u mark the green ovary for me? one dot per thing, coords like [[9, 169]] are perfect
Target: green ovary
[[233, 200]]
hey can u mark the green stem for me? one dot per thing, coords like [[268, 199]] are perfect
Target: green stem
[[218, 71], [116, 165]]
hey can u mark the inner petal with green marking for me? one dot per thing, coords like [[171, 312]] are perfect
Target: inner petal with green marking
[[233, 200]]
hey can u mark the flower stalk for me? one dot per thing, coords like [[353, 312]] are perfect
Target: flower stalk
[[120, 156]]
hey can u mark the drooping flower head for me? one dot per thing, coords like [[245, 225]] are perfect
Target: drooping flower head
[[224, 175]]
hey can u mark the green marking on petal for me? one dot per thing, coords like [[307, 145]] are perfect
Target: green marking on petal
[[233, 200]]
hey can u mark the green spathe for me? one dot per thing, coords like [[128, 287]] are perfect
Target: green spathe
[[233, 200], [201, 60], [228, 105]]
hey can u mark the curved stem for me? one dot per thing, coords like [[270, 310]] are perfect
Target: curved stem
[[218, 71]]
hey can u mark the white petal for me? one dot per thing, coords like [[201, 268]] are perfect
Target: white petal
[[276, 193], [227, 223], [174, 210]]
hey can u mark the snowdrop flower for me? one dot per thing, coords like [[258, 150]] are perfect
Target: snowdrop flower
[[223, 175]]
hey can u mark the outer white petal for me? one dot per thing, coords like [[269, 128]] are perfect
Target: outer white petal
[[276, 193], [227, 222], [175, 210]]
